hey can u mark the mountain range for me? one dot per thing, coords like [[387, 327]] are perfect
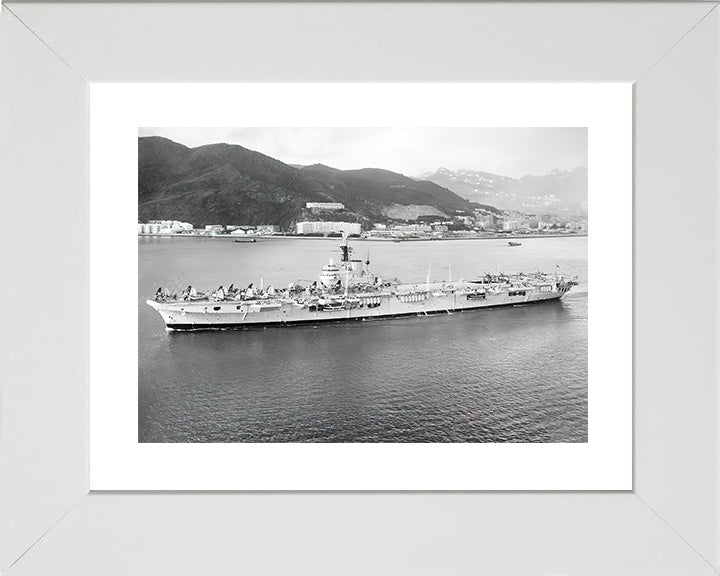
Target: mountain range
[[561, 191], [230, 184]]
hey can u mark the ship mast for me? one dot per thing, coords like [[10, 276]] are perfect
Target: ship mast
[[345, 259], [345, 250]]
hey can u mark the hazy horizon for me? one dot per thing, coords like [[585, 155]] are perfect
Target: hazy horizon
[[513, 152]]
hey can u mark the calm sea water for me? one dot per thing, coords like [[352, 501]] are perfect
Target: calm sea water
[[515, 374]]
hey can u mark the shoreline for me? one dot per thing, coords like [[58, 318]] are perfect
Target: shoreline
[[508, 238]]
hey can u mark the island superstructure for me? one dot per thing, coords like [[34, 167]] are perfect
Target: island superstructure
[[347, 290]]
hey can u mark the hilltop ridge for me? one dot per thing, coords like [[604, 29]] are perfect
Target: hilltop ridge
[[227, 183]]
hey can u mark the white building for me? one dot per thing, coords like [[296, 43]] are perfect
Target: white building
[[212, 229], [327, 227], [325, 206], [178, 227], [164, 227]]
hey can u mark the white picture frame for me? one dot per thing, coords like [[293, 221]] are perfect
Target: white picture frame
[[668, 523]]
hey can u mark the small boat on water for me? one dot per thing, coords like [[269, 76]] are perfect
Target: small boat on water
[[511, 243], [244, 240]]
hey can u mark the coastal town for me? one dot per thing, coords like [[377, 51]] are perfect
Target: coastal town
[[477, 224]]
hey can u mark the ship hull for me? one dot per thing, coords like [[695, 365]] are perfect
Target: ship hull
[[230, 314]]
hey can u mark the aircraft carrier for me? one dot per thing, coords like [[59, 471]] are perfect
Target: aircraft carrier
[[347, 290]]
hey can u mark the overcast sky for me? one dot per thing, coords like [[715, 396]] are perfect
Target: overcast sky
[[410, 151]]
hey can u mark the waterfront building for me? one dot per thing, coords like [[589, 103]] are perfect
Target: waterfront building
[[413, 228], [164, 227], [212, 229], [323, 227]]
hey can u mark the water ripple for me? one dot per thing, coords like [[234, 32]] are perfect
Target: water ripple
[[505, 375]]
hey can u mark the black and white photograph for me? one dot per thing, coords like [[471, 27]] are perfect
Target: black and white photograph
[[363, 285]]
